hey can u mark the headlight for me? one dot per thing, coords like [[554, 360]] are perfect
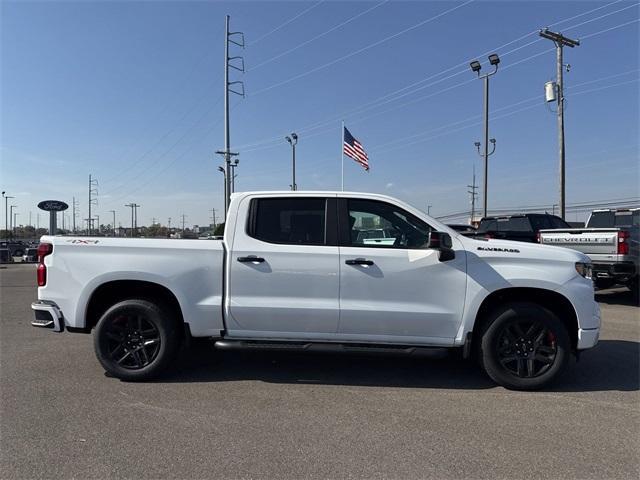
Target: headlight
[[583, 269]]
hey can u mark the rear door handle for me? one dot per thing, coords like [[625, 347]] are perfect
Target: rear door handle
[[359, 261], [251, 258]]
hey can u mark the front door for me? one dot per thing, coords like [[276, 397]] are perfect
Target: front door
[[283, 270], [391, 287]]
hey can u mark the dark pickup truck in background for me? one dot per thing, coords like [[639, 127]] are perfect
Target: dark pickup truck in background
[[522, 227]]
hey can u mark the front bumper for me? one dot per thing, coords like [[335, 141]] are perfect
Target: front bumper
[[588, 337], [47, 315]]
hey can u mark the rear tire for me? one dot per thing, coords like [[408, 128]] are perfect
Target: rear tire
[[136, 339], [524, 346]]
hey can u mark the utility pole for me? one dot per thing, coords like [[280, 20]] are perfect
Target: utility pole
[[183, 218], [93, 190], [133, 207], [114, 221], [229, 62], [293, 141], [560, 42], [30, 215], [6, 213], [213, 217], [74, 207], [473, 192], [494, 60], [12, 220], [15, 223], [429, 209], [98, 222]]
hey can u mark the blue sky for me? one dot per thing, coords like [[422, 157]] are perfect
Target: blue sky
[[132, 93]]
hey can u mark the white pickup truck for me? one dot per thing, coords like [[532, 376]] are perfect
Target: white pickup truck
[[293, 272], [611, 240]]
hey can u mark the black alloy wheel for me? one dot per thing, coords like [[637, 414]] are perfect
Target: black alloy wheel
[[136, 339], [133, 341], [527, 348], [524, 346]]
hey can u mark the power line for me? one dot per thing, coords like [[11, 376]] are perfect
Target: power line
[[537, 208], [158, 158], [162, 111], [207, 131], [282, 25], [326, 32], [360, 50], [372, 104]]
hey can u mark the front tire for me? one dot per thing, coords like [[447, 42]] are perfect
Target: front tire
[[524, 347], [136, 339]]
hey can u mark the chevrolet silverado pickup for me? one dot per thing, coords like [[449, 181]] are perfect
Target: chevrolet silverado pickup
[[295, 271], [611, 239]]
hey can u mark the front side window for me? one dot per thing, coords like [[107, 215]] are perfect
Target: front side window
[[379, 224], [296, 221]]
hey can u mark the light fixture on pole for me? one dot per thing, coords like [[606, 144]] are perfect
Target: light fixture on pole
[[293, 140], [233, 166], [476, 66]]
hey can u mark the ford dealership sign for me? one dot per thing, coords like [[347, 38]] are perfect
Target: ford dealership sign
[[52, 205]]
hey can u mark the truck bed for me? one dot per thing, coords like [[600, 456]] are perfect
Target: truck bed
[[191, 269]]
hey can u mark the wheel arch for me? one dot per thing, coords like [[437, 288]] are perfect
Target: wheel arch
[[113, 291], [549, 299]]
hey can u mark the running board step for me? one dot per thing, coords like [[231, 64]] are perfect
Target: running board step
[[227, 344]]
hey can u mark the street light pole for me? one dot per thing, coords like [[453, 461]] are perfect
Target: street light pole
[[475, 67], [11, 219], [293, 141], [114, 222], [6, 213]]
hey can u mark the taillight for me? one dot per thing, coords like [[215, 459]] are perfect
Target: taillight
[[488, 235], [623, 242], [538, 238], [44, 249]]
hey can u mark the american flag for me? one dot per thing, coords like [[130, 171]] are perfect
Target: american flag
[[353, 149]]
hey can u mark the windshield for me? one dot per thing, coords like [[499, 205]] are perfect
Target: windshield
[[614, 219]]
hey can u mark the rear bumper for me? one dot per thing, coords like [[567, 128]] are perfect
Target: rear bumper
[[47, 315], [614, 270]]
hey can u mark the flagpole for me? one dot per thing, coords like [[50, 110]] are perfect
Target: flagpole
[[342, 153]]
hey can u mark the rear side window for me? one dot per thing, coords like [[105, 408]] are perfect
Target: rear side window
[[511, 224], [295, 221], [557, 222], [540, 222]]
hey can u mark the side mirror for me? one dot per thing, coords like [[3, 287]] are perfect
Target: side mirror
[[441, 241]]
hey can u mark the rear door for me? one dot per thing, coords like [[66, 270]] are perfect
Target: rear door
[[397, 291], [283, 269]]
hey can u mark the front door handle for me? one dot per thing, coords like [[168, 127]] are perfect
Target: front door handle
[[359, 261], [251, 258]]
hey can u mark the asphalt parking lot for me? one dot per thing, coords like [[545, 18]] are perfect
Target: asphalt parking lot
[[282, 415]]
